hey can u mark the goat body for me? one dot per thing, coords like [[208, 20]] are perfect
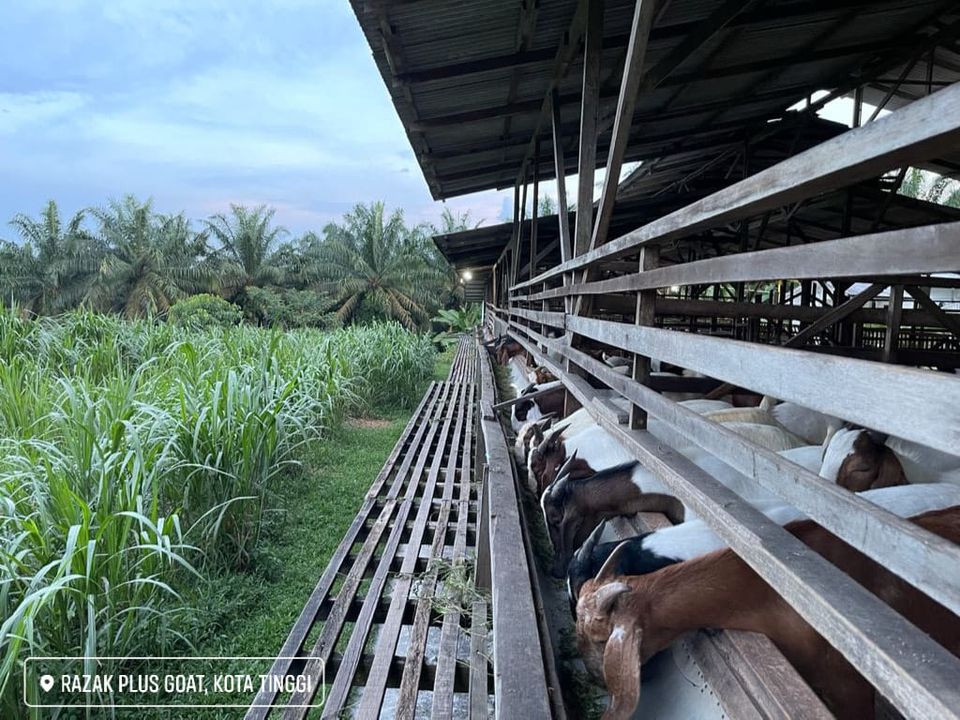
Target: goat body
[[654, 550], [809, 424], [623, 621]]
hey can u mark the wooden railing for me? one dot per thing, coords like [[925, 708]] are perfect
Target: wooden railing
[[916, 674]]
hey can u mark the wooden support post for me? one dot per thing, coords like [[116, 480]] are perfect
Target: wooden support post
[[646, 314], [587, 158], [632, 72], [894, 314], [560, 169], [589, 117], [535, 214]]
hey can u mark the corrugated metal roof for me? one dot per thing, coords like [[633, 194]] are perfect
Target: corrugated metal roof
[[662, 185], [468, 78]]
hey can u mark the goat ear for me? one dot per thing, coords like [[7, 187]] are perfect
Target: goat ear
[[609, 569], [621, 670], [890, 472]]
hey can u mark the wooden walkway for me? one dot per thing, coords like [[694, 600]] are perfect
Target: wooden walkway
[[384, 621]]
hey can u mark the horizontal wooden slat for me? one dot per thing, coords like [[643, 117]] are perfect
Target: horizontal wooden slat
[[520, 683], [914, 133], [905, 665], [925, 561], [927, 249], [914, 404]]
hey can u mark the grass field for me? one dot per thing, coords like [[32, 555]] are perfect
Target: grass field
[[173, 491]]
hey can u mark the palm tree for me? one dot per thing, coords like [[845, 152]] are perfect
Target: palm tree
[[379, 264], [247, 242], [52, 271], [153, 260]]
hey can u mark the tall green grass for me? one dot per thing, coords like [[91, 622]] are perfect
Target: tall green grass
[[135, 456]]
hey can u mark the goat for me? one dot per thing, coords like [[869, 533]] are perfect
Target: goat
[[651, 551], [703, 407], [574, 507], [530, 435], [598, 449], [812, 426], [507, 349], [601, 449], [922, 464], [575, 504], [858, 460], [535, 408], [543, 376], [623, 621]]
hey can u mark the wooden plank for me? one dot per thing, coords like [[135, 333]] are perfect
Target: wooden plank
[[293, 645], [914, 672], [894, 315], [829, 318], [376, 682], [910, 135], [931, 248], [478, 662], [914, 404], [623, 120], [718, 308], [323, 647], [918, 557], [560, 169], [589, 118], [519, 681], [442, 708], [645, 315], [771, 682]]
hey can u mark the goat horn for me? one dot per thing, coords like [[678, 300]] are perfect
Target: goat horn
[[592, 539], [609, 569], [565, 468], [607, 594]]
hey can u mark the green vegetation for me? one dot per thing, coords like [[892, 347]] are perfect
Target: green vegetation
[[140, 460], [203, 311], [931, 187], [128, 259], [456, 322]]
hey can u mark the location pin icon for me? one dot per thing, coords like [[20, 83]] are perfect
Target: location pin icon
[[46, 682]]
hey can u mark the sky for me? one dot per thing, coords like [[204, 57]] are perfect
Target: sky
[[199, 104], [202, 103]]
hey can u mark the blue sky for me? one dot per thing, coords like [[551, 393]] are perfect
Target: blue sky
[[199, 104]]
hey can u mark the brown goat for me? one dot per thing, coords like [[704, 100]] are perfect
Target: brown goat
[[623, 621], [857, 460], [542, 375], [550, 403], [507, 350]]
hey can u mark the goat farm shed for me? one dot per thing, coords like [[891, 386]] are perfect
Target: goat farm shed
[[721, 225]]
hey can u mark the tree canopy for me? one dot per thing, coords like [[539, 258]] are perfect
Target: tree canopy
[[128, 259]]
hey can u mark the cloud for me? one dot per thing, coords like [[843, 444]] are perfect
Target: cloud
[[20, 111], [199, 105]]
